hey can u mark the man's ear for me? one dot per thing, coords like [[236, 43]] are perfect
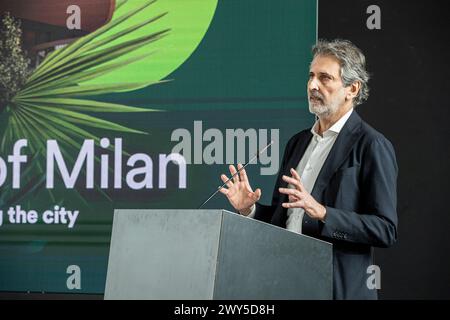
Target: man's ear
[[352, 90]]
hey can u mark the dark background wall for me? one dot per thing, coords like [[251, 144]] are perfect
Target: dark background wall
[[409, 63]]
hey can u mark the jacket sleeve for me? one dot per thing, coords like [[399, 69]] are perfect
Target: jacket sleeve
[[377, 225]]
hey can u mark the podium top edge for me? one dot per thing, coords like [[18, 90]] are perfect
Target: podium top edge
[[168, 210], [220, 211]]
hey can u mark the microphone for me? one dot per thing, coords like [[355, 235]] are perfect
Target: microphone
[[256, 156]]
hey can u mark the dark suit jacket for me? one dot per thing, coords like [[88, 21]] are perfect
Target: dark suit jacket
[[357, 185]]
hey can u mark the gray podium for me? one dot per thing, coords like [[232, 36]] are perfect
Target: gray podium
[[212, 254]]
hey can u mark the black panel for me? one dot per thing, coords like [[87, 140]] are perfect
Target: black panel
[[409, 62]]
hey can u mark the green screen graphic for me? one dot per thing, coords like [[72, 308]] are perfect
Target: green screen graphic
[[105, 114]]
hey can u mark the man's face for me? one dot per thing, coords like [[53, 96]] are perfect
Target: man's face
[[326, 93]]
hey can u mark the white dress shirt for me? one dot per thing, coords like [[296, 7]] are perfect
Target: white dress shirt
[[310, 165]]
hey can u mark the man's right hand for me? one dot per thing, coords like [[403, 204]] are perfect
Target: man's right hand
[[239, 192]]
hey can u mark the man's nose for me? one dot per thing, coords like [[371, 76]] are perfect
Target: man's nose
[[312, 84]]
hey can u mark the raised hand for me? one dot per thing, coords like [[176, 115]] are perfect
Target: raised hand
[[239, 192], [301, 198]]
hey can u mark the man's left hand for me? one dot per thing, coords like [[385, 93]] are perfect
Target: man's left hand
[[300, 198]]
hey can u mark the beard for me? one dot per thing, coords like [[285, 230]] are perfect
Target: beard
[[318, 107]]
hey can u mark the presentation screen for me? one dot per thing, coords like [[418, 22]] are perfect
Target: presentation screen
[[131, 105]]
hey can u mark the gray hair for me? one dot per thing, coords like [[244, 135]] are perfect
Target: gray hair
[[352, 62]]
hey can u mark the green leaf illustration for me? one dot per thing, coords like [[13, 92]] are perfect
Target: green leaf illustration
[[138, 44]]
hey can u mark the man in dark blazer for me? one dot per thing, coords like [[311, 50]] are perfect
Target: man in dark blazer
[[337, 181]]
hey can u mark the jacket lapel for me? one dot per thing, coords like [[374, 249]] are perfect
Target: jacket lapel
[[298, 151], [338, 153], [294, 156]]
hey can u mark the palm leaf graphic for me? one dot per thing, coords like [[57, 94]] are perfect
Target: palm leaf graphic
[[53, 103]]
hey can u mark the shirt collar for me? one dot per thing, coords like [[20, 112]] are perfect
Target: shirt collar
[[335, 128]]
